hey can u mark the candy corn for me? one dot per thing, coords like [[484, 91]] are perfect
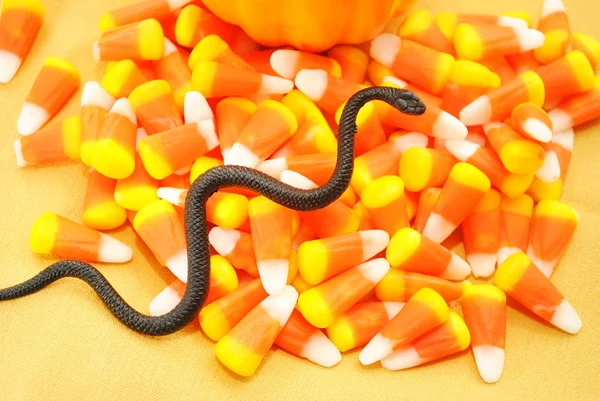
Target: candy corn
[[427, 200], [244, 347], [558, 157], [532, 121], [515, 218], [519, 155], [448, 22], [300, 338], [420, 26], [577, 110], [172, 67], [484, 307], [142, 40], [552, 228], [385, 202], [589, 46], [327, 91], [121, 79], [55, 235], [398, 285], [288, 63], [167, 299], [213, 48], [523, 281], [100, 210], [321, 305], [423, 168], [155, 107], [554, 23], [236, 246], [448, 338], [56, 142], [232, 115], [159, 226], [499, 66], [353, 61], [317, 167], [569, 75], [202, 165], [465, 187], [54, 85], [377, 72], [424, 311], [96, 102], [310, 137], [523, 62], [21, 21], [159, 9]]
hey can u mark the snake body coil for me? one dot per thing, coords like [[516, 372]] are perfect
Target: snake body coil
[[195, 222]]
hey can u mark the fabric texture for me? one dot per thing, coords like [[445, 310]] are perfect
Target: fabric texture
[[63, 344]]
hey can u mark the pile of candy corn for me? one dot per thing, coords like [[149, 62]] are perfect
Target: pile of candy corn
[[489, 158]]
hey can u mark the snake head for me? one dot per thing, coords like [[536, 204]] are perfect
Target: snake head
[[409, 103]]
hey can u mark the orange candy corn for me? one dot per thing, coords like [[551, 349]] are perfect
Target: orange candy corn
[[499, 103], [288, 63], [448, 22], [96, 102], [21, 21], [410, 251], [448, 338], [427, 201], [465, 187], [500, 66], [532, 122], [424, 311], [353, 61], [515, 218], [484, 308], [271, 226], [244, 347], [58, 141], [232, 115], [377, 72], [523, 62], [321, 259], [552, 228], [213, 48], [589, 46], [113, 154], [236, 246], [327, 91], [220, 80], [554, 23], [268, 128], [519, 155], [335, 219], [219, 317], [467, 81], [317, 167], [361, 323], [558, 157], [121, 79], [300, 338], [476, 42], [310, 137], [420, 26], [399, 285], [323, 304], [55, 235], [155, 107], [426, 68], [569, 75], [159, 9], [385, 202], [261, 60], [159, 226], [100, 210], [488, 161], [172, 150], [53, 87], [481, 233], [423, 168], [172, 67], [523, 281], [370, 131], [577, 110], [142, 40]]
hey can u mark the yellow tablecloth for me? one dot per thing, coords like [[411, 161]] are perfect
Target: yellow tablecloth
[[62, 344]]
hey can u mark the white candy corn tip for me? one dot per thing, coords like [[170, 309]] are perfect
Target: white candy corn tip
[[273, 274], [96, 51], [478, 112], [321, 350], [550, 170], [123, 108], [505, 252], [273, 167], [297, 180], [438, 228], [169, 48], [178, 264], [392, 308], [374, 270], [139, 135], [482, 264], [223, 240], [32, 118], [537, 130], [196, 108], [19, 153], [280, 306], [112, 250], [566, 139], [402, 359], [172, 195], [208, 132], [561, 120], [490, 362], [410, 140], [271, 85], [458, 268], [566, 318], [552, 6], [449, 127], [377, 349], [284, 63], [164, 302], [546, 267], [175, 4], [385, 47], [239, 155], [373, 242], [94, 94], [462, 150], [312, 83], [511, 22], [529, 39], [9, 65]]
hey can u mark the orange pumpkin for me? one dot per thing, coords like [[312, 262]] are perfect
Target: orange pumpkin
[[312, 25]]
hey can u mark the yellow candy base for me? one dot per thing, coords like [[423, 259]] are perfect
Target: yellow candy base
[[237, 357]]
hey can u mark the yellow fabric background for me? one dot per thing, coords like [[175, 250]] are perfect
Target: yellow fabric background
[[62, 344]]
